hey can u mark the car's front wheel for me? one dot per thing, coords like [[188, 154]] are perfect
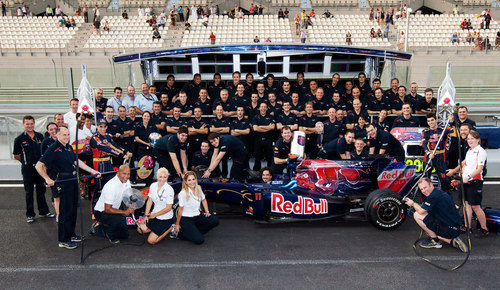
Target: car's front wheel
[[385, 209]]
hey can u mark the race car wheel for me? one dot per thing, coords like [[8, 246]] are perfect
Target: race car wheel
[[385, 209]]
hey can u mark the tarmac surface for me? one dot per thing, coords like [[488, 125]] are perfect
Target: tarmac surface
[[241, 254]]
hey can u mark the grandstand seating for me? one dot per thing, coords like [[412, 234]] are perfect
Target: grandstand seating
[[143, 3], [92, 3], [35, 33], [243, 30], [329, 3], [382, 3], [436, 30], [333, 31], [126, 33], [477, 2], [285, 3]]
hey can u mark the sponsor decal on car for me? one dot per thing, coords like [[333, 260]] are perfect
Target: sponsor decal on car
[[304, 205]]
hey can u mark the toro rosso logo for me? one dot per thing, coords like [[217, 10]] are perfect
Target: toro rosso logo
[[301, 140], [304, 205]]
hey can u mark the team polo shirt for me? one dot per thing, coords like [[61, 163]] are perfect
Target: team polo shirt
[[282, 148], [220, 122], [206, 107], [440, 205], [161, 197], [285, 119], [401, 121], [332, 130], [260, 120], [190, 203], [475, 157], [112, 193]]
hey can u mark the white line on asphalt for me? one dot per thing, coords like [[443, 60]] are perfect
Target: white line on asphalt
[[234, 264]]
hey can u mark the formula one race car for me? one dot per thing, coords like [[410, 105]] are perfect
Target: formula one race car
[[323, 189]]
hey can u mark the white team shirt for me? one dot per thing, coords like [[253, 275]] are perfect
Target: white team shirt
[[70, 119], [191, 205], [162, 197], [112, 193], [474, 158], [82, 134]]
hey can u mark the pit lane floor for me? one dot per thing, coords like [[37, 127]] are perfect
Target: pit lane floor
[[240, 254]]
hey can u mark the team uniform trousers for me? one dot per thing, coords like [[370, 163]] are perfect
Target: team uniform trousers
[[193, 228], [68, 194], [32, 180], [113, 225]]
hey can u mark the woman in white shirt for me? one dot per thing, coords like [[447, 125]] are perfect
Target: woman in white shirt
[[472, 176], [158, 222], [190, 224]]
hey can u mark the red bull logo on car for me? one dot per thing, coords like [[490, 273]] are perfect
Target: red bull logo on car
[[396, 177], [304, 205]]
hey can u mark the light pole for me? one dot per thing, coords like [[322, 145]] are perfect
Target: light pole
[[408, 13]]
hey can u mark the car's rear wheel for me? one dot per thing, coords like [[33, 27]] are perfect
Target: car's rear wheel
[[385, 209]]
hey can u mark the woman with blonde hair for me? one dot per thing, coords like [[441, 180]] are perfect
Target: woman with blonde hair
[[191, 225], [159, 221]]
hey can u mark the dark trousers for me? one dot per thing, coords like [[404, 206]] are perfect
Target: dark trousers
[[67, 209], [277, 169], [311, 145], [113, 225], [193, 228], [239, 165], [263, 149], [31, 178], [439, 162]]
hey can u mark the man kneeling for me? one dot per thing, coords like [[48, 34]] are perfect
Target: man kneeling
[[111, 219], [438, 217]]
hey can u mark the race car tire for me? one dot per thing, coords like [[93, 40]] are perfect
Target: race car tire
[[385, 209]]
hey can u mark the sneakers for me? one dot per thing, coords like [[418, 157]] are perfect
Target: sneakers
[[57, 219], [68, 245], [30, 219], [114, 242], [93, 228], [77, 238], [49, 215], [463, 229], [481, 233], [459, 244], [430, 243]]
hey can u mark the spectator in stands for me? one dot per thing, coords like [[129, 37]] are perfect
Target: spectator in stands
[[296, 20], [463, 25], [187, 26], [312, 13], [156, 34], [455, 38], [379, 33], [268, 39], [162, 22], [180, 11], [4, 9], [106, 26], [172, 18], [486, 43], [58, 11], [479, 42], [308, 22], [85, 13], [371, 16], [256, 39], [62, 22], [97, 25], [327, 14], [487, 19], [468, 38], [456, 11], [205, 20], [48, 11], [261, 9], [401, 41], [497, 40], [125, 14], [19, 12], [348, 38], [211, 37], [251, 10], [302, 36], [373, 34], [281, 14], [97, 12]]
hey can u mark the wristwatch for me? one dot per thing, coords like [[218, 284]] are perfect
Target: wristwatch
[[209, 170]]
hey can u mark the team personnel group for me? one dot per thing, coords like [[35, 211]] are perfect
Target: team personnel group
[[202, 127]]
